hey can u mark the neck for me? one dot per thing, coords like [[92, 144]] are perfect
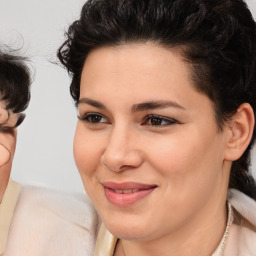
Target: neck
[[200, 236]]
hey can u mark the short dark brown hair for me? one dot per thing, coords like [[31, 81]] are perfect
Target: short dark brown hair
[[15, 81], [217, 37]]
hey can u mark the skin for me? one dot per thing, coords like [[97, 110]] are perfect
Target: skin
[[181, 151], [7, 147]]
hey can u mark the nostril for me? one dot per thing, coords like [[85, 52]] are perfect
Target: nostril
[[118, 163], [126, 167], [121, 152]]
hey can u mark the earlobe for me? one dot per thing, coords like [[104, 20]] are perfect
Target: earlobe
[[240, 130]]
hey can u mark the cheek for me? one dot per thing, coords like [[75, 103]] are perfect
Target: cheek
[[86, 153], [184, 161], [187, 173], [171, 155]]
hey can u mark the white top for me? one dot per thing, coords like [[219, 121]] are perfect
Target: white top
[[50, 223], [7, 208]]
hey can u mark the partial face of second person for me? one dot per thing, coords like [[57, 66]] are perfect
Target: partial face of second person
[[7, 145], [147, 145]]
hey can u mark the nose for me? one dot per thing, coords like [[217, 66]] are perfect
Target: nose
[[122, 151]]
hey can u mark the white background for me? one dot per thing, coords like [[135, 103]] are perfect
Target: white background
[[44, 154]]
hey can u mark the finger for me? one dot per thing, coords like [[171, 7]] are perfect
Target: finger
[[5, 155], [4, 115], [8, 141]]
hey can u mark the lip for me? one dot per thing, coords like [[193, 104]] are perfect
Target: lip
[[127, 193]]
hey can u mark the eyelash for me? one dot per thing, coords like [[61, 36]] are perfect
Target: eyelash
[[159, 120], [148, 120], [89, 116]]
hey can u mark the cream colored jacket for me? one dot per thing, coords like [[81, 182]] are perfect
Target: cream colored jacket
[[50, 223], [242, 238]]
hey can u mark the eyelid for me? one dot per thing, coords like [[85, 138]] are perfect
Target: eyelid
[[170, 121], [84, 116], [81, 116]]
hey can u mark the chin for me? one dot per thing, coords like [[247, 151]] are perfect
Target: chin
[[127, 234], [127, 229]]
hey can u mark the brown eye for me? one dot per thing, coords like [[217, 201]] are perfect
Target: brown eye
[[93, 118], [155, 120]]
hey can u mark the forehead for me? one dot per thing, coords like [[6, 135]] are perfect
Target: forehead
[[134, 65], [149, 54], [123, 76]]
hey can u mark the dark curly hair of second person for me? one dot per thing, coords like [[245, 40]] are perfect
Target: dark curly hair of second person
[[14, 81], [215, 37]]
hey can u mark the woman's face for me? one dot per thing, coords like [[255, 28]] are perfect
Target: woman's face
[[147, 145]]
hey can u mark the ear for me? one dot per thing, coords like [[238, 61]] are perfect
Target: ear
[[239, 130]]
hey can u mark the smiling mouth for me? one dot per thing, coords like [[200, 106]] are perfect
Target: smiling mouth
[[128, 193]]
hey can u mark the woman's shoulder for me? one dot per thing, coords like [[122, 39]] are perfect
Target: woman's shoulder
[[242, 237], [75, 207], [49, 222], [244, 205]]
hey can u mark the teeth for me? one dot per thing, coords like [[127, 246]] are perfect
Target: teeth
[[126, 191]]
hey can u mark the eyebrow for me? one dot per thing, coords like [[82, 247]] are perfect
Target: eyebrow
[[149, 105], [91, 102], [155, 105]]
